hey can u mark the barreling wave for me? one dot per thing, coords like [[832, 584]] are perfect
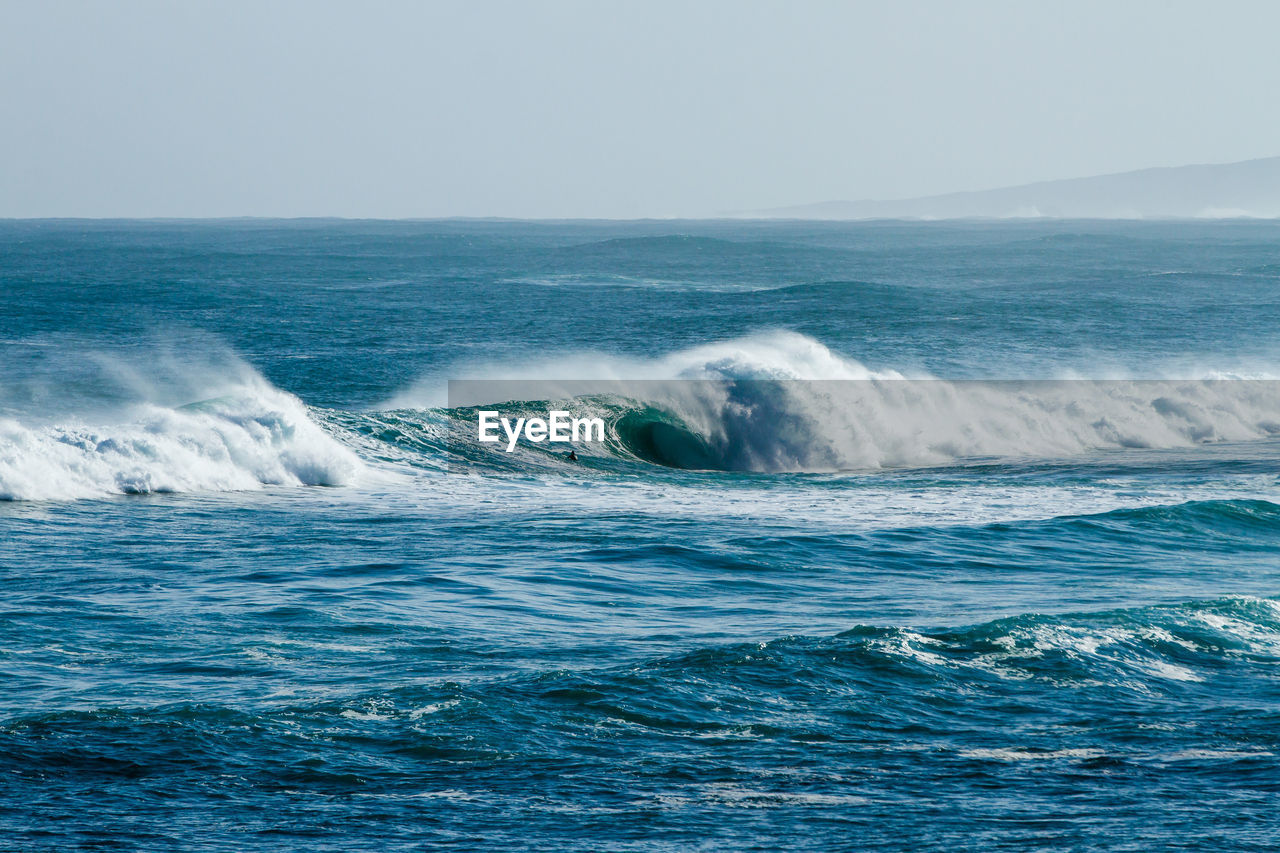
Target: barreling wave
[[770, 426], [786, 403], [250, 436]]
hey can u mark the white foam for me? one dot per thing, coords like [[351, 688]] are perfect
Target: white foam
[[434, 708], [251, 436], [1023, 754], [1215, 754]]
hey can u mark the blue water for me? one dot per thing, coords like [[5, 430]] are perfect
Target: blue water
[[247, 603]]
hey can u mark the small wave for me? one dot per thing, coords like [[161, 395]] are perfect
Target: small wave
[[1239, 516], [1133, 650], [678, 244]]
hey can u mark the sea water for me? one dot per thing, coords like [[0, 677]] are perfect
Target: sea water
[[1022, 593]]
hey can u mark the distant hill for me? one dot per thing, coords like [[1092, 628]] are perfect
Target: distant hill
[[1247, 189]]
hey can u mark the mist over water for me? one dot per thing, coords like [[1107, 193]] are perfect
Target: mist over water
[[956, 535]]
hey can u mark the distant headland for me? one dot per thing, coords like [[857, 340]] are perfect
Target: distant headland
[[1247, 189]]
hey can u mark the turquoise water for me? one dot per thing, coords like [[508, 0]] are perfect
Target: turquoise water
[[248, 603]]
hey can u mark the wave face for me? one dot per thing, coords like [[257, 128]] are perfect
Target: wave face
[[250, 436]]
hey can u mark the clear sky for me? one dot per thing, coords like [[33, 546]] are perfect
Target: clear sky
[[608, 109]]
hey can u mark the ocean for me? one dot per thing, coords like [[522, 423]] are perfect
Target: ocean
[[920, 536]]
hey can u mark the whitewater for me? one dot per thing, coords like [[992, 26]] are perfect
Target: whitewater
[[926, 535], [773, 402]]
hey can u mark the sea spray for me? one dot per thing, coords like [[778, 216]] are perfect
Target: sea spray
[[254, 436]]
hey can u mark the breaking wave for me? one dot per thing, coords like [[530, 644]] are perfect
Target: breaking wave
[[786, 403], [769, 403], [249, 436]]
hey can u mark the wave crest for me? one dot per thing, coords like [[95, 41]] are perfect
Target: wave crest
[[255, 435]]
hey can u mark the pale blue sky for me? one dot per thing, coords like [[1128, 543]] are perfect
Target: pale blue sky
[[610, 109]]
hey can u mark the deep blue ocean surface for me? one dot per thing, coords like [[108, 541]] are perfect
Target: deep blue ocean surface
[[247, 604]]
